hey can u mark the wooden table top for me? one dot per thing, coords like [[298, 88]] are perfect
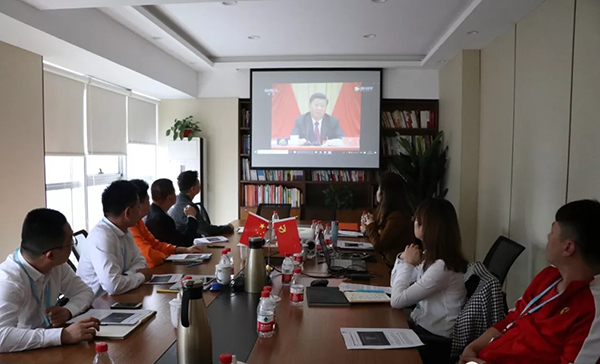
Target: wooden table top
[[313, 332]]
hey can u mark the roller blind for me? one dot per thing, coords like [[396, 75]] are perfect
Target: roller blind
[[106, 121], [63, 115], [142, 121]]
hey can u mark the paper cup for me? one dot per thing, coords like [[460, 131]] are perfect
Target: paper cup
[[223, 274], [175, 311]]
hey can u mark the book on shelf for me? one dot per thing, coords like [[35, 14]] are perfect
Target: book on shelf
[[338, 176], [391, 145], [257, 194], [246, 144], [245, 118], [269, 174], [408, 119]]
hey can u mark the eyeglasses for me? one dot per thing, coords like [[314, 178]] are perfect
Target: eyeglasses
[[70, 246]]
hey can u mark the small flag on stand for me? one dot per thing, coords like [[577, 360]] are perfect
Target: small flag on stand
[[255, 226], [288, 239]]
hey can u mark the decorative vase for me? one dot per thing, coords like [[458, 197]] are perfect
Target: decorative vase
[[187, 133]]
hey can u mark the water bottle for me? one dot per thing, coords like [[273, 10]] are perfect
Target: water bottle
[[334, 233], [265, 316], [287, 269], [274, 218], [363, 218], [327, 233], [313, 227], [318, 229], [299, 260], [224, 258], [297, 289], [102, 356]]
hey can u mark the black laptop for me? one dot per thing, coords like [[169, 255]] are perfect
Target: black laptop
[[337, 265]]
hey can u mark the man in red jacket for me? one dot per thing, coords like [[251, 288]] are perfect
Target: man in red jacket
[[558, 318]]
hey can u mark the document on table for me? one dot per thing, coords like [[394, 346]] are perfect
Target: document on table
[[115, 317], [365, 338], [210, 240], [188, 257], [367, 297], [165, 278], [352, 287], [350, 234]]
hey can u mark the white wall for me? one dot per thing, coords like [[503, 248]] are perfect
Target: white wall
[[397, 83], [459, 120], [21, 142], [556, 128], [219, 123]]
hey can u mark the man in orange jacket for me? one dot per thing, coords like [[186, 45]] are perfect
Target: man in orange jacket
[[153, 250]]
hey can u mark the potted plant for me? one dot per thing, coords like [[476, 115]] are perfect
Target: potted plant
[[422, 169], [184, 128], [342, 200]]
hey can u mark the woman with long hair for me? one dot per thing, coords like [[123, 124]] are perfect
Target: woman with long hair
[[390, 230], [439, 290]]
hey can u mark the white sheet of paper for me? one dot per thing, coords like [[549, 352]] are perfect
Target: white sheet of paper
[[122, 317], [188, 257], [353, 287], [350, 234], [367, 338], [210, 240], [164, 278]]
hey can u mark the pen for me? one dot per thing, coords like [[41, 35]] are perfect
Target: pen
[[167, 291], [194, 264], [216, 246]]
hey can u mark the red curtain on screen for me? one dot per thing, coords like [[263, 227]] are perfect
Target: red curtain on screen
[[284, 111], [347, 109]]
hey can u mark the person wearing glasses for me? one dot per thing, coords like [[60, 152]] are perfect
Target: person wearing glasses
[[432, 278], [31, 280]]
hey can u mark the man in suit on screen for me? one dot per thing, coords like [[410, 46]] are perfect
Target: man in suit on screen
[[316, 126]]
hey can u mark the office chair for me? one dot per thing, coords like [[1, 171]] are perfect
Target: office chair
[[266, 210], [501, 257], [79, 237]]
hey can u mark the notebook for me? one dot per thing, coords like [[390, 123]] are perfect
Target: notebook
[[367, 297], [325, 296], [188, 257], [116, 324]]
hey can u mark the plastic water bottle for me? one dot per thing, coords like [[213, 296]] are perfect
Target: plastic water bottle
[[318, 229], [327, 233], [102, 356], [274, 218], [297, 289], [299, 260], [287, 269], [265, 316], [224, 258], [313, 227], [363, 218]]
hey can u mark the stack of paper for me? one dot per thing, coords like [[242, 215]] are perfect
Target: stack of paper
[[188, 257], [210, 240]]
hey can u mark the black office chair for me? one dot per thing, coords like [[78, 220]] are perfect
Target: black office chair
[[79, 237], [266, 210], [501, 257]]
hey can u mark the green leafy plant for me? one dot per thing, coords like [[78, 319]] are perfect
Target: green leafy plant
[[339, 198], [184, 128], [422, 169]]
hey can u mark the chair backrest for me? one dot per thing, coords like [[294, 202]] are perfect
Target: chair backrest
[[501, 257], [266, 210], [79, 238]]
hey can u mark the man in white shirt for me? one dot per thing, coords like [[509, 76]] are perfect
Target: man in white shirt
[[31, 280], [110, 261]]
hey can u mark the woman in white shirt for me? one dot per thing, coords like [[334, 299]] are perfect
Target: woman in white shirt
[[438, 290]]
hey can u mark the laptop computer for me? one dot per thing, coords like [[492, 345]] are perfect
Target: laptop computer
[[336, 265]]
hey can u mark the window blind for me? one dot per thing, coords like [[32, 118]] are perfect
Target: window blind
[[141, 122], [106, 121]]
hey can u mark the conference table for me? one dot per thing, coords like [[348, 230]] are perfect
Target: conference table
[[303, 335]]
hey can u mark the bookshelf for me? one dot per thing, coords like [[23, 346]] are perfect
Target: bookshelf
[[310, 183]]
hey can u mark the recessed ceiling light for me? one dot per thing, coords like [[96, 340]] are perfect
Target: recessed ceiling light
[[369, 36], [254, 37], [441, 61], [379, 1], [156, 38], [473, 32], [229, 3]]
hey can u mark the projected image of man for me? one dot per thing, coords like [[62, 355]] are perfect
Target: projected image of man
[[316, 126]]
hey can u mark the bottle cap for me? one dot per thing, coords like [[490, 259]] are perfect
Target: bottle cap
[[314, 220], [364, 211], [288, 255], [228, 250], [224, 251], [297, 270], [101, 347], [268, 288], [274, 212], [328, 224], [265, 294], [225, 358]]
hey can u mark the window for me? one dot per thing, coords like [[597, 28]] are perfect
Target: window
[[65, 188], [141, 162], [102, 170]]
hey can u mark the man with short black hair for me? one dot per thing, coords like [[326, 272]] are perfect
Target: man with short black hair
[[161, 225], [557, 320], [31, 280], [189, 187], [316, 126], [110, 261], [152, 249]]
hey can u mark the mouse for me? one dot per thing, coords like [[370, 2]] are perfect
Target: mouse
[[319, 283]]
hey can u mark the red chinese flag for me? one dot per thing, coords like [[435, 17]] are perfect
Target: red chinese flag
[[288, 239], [255, 226]]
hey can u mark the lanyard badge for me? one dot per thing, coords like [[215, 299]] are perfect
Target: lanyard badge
[[529, 310], [33, 292]]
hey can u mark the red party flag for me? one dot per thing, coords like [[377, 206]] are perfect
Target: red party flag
[[255, 226], [288, 239]]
